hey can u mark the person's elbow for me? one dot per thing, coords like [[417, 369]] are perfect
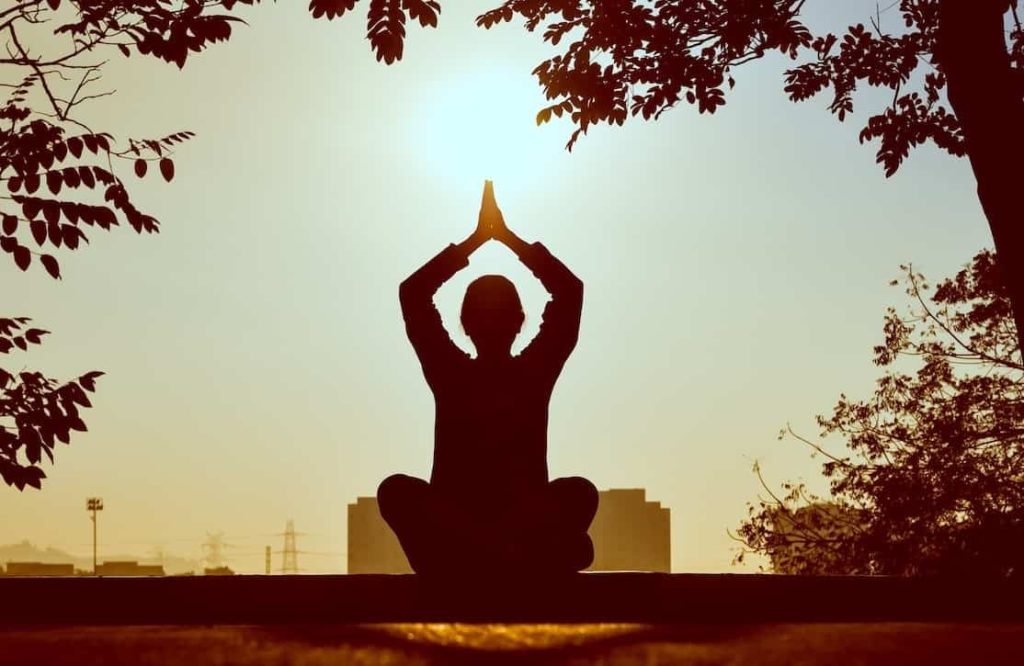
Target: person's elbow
[[573, 289], [408, 292]]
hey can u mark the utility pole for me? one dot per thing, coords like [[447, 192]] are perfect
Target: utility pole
[[94, 504], [266, 557]]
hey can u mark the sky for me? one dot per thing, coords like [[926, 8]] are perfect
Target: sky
[[736, 270]]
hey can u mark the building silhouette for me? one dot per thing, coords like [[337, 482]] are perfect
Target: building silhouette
[[372, 546], [629, 533], [218, 571], [128, 568], [39, 569]]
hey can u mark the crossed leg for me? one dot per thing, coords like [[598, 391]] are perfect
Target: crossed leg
[[546, 534]]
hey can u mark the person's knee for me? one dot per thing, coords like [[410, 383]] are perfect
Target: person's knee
[[397, 493], [578, 495], [583, 556]]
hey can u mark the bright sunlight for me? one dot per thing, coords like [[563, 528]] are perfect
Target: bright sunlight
[[481, 125]]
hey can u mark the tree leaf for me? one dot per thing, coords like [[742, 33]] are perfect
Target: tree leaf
[[87, 177], [140, 167], [70, 235], [34, 335], [75, 146], [51, 266], [69, 209], [330, 8], [88, 380], [54, 181], [38, 231], [53, 230], [167, 169], [31, 207], [51, 211], [22, 257]]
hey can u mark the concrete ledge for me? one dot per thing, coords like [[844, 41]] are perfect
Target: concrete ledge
[[611, 597]]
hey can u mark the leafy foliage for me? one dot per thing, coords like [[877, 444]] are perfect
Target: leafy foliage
[[932, 477], [623, 57], [883, 59], [62, 181], [60, 174], [35, 412], [385, 21]]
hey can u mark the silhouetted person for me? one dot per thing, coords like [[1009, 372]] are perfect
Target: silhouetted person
[[489, 502]]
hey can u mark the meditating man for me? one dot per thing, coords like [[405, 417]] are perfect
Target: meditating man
[[489, 503]]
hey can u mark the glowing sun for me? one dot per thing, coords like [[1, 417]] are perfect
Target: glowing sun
[[481, 125]]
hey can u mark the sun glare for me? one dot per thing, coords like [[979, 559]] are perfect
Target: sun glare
[[481, 125]]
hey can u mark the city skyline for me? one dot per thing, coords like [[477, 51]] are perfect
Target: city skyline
[[629, 533], [242, 560]]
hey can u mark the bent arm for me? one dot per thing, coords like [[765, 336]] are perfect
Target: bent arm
[[416, 294], [560, 325]]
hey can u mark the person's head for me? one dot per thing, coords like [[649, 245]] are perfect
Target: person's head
[[492, 314]]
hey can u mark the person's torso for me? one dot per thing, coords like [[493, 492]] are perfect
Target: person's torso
[[490, 434]]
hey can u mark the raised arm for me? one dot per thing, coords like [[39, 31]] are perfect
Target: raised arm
[[422, 321], [560, 325]]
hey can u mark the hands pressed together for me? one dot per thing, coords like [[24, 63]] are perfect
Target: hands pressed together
[[491, 223]]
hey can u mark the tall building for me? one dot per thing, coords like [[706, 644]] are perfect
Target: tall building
[[629, 532], [372, 546]]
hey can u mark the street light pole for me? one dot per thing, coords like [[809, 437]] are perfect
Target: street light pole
[[94, 504]]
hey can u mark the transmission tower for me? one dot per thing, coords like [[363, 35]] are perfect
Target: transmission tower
[[290, 555], [213, 550], [290, 560]]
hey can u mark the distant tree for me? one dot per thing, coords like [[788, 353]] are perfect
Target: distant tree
[[931, 479], [802, 540]]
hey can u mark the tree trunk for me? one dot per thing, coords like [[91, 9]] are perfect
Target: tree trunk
[[986, 96]]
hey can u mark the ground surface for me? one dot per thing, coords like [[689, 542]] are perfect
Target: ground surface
[[876, 644]]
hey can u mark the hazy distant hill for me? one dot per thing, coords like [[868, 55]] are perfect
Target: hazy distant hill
[[29, 552]]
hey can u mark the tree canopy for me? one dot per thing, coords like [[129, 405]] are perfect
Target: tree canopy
[[930, 477]]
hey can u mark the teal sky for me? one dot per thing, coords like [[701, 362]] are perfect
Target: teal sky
[[736, 271]]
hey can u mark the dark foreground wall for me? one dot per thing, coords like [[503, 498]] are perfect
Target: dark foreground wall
[[619, 597]]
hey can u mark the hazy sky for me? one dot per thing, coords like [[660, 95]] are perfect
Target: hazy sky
[[736, 271]]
